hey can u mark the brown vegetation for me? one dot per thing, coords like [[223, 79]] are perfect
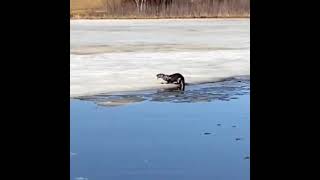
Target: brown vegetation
[[159, 8]]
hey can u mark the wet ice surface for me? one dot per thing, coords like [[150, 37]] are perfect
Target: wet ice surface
[[224, 90], [109, 56]]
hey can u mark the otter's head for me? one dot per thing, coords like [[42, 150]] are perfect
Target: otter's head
[[160, 75]]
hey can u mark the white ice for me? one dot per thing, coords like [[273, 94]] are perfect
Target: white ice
[[108, 56]]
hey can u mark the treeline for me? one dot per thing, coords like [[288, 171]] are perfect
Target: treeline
[[167, 9]]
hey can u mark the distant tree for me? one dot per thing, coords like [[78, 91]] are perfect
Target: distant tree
[[143, 5]]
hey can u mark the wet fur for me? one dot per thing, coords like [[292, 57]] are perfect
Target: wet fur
[[176, 78]]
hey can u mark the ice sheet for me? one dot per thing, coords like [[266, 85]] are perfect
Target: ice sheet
[[125, 55]]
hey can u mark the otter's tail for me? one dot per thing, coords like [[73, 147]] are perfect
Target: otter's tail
[[181, 83]]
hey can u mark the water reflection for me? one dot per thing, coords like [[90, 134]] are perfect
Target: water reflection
[[223, 91]]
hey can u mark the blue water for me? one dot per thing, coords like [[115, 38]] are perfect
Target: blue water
[[154, 139]]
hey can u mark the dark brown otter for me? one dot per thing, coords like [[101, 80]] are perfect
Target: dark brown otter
[[176, 78]]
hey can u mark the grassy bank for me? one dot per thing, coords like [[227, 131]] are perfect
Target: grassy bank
[[155, 9]]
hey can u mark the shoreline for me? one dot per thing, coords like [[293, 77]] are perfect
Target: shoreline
[[156, 18]]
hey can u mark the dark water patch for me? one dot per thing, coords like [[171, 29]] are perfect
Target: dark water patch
[[158, 141]]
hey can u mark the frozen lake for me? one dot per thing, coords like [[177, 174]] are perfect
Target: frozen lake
[[110, 56], [125, 124]]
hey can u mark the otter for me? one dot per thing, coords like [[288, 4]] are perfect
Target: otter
[[176, 78]]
